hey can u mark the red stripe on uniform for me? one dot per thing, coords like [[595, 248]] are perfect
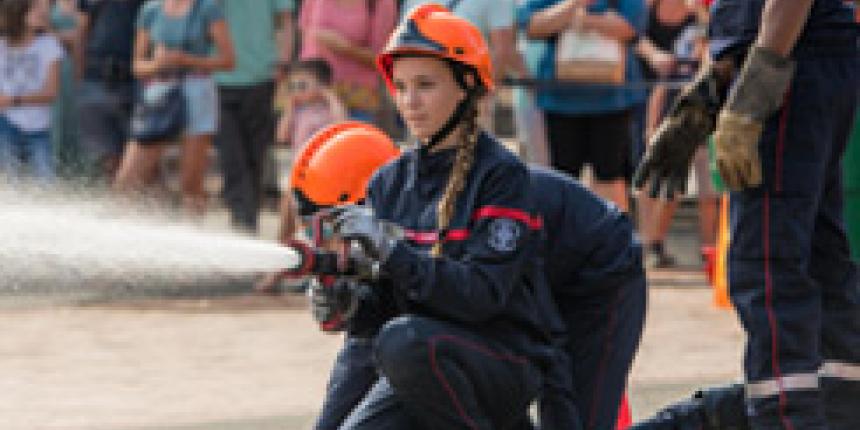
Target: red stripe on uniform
[[780, 142], [604, 362], [534, 223], [431, 237], [460, 234], [422, 237], [443, 381], [771, 315]]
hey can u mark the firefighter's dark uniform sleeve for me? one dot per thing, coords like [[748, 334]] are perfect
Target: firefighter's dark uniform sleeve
[[475, 286]]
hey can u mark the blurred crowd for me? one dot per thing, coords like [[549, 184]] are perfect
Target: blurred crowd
[[82, 80]]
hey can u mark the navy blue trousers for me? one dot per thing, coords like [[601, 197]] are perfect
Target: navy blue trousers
[[352, 376], [795, 289], [585, 389], [440, 376]]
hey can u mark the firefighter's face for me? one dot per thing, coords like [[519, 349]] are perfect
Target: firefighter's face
[[426, 94]]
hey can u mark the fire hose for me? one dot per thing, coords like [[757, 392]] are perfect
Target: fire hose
[[327, 265]]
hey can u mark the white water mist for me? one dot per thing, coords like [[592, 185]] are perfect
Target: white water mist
[[64, 237]]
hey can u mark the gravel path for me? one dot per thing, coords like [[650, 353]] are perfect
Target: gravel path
[[260, 363]]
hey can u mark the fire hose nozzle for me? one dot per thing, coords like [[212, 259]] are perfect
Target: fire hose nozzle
[[318, 262]]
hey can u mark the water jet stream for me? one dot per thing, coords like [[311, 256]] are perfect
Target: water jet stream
[[71, 237]]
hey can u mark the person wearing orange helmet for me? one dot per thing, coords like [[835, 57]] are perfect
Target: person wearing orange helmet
[[333, 168], [451, 228], [596, 272], [336, 164]]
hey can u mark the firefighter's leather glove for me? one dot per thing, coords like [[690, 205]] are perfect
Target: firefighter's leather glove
[[341, 299], [666, 163], [758, 93], [362, 266], [378, 238]]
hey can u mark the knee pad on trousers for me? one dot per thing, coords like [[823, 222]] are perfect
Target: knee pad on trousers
[[400, 348]]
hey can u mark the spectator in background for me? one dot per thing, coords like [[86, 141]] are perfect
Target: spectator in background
[[166, 50], [106, 91], [348, 34], [246, 95], [65, 21], [588, 124], [673, 48], [29, 79], [311, 105], [530, 121]]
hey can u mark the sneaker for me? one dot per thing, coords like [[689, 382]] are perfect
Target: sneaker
[[656, 257]]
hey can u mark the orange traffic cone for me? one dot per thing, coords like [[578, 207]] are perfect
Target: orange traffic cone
[[721, 273], [625, 416]]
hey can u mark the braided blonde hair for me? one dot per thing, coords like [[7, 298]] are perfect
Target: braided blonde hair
[[457, 180]]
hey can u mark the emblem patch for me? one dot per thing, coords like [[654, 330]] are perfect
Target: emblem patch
[[504, 234]]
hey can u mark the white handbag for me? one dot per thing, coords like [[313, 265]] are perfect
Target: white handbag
[[589, 57]]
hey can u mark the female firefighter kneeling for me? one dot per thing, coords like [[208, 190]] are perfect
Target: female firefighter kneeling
[[454, 236]]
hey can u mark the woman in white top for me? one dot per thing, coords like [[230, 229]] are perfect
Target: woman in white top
[[29, 78]]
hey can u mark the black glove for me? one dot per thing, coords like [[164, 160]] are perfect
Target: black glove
[[377, 238], [361, 266], [687, 125], [335, 303]]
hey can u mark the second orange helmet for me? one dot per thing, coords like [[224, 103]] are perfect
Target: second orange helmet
[[337, 163]]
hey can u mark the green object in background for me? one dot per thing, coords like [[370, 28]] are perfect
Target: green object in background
[[851, 183], [64, 132], [719, 186]]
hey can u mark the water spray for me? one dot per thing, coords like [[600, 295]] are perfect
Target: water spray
[[346, 259], [66, 238], [60, 241]]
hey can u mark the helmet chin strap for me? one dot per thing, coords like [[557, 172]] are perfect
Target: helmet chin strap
[[452, 123], [472, 94]]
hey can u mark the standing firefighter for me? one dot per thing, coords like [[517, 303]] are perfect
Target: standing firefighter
[[790, 69]]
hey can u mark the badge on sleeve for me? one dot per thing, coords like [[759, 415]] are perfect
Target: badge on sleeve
[[504, 235]]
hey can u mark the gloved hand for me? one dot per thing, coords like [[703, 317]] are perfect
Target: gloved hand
[[377, 238], [666, 163], [361, 266], [758, 93], [339, 301]]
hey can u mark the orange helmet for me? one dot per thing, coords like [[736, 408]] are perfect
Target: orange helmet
[[431, 29], [336, 164]]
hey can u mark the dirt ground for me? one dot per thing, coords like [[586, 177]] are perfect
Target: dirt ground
[[260, 363]]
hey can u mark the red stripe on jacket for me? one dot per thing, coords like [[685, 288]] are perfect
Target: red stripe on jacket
[[431, 237], [534, 223]]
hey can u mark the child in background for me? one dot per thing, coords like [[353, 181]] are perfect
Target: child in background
[[311, 105], [29, 80]]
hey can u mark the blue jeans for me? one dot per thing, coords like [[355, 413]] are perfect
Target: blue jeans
[[20, 148]]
